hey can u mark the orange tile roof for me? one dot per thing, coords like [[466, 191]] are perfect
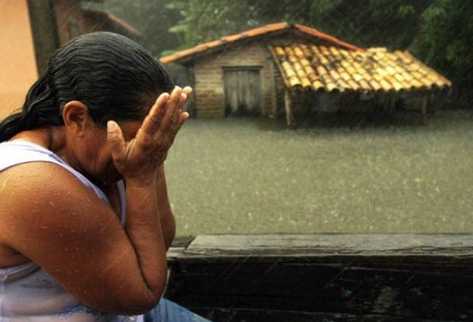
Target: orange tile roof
[[374, 70], [255, 33]]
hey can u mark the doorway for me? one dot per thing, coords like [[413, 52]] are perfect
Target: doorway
[[242, 91]]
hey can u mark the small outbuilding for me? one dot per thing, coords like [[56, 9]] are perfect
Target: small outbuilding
[[288, 70]]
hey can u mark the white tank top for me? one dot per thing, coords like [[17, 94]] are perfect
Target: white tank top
[[29, 294]]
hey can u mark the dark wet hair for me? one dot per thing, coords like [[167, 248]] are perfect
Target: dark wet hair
[[114, 76]]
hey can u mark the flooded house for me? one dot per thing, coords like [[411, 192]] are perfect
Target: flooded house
[[290, 70], [32, 30]]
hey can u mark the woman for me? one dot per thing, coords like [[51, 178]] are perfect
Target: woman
[[99, 120]]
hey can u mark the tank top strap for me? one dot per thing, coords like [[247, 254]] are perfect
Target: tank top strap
[[20, 151]]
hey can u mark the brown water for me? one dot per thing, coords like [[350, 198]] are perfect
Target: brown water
[[255, 176]]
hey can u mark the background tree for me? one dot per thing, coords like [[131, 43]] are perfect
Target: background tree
[[152, 19], [367, 23], [445, 42]]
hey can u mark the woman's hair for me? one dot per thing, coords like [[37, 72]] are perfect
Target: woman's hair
[[114, 76]]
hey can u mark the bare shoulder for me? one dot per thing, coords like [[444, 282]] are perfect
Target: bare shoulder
[[48, 216], [43, 195]]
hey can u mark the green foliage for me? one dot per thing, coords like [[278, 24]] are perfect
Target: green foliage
[[444, 42], [151, 18], [365, 22], [207, 20]]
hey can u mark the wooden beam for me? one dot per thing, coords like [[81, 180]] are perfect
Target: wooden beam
[[418, 247], [330, 277], [288, 106]]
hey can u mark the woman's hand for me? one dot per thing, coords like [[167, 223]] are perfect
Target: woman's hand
[[140, 158]]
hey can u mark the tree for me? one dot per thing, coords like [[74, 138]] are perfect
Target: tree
[[152, 18], [444, 42], [367, 23]]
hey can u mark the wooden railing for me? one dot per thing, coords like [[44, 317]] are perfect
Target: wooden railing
[[329, 277]]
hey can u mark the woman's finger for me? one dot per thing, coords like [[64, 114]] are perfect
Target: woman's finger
[[180, 106], [181, 119], [115, 139], [176, 118], [187, 90], [172, 105], [155, 116]]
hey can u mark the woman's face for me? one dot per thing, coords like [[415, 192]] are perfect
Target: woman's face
[[94, 155]]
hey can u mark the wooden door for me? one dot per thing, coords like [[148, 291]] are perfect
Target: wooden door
[[242, 91]]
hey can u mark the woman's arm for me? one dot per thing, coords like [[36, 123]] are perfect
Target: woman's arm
[[47, 215], [165, 213], [166, 216], [74, 236]]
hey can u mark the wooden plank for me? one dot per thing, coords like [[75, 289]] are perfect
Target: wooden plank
[[231, 92], [242, 88], [454, 247], [359, 277], [182, 241], [179, 244]]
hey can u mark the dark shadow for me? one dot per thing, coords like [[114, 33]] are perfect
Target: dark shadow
[[364, 119], [438, 121]]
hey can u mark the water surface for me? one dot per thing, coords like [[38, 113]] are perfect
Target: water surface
[[367, 176]]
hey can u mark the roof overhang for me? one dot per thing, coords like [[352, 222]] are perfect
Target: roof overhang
[[270, 31]]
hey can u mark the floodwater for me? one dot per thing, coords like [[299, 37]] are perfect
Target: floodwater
[[355, 176]]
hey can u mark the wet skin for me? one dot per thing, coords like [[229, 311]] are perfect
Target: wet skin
[[47, 216]]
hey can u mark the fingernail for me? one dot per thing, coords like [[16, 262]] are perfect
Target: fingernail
[[187, 90], [111, 125], [162, 96]]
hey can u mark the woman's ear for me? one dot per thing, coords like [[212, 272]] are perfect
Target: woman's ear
[[76, 117]]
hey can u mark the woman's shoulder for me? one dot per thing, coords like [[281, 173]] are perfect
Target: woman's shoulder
[[39, 197], [20, 152], [35, 181], [59, 224]]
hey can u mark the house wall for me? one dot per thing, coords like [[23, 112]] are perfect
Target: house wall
[[209, 83], [18, 57]]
